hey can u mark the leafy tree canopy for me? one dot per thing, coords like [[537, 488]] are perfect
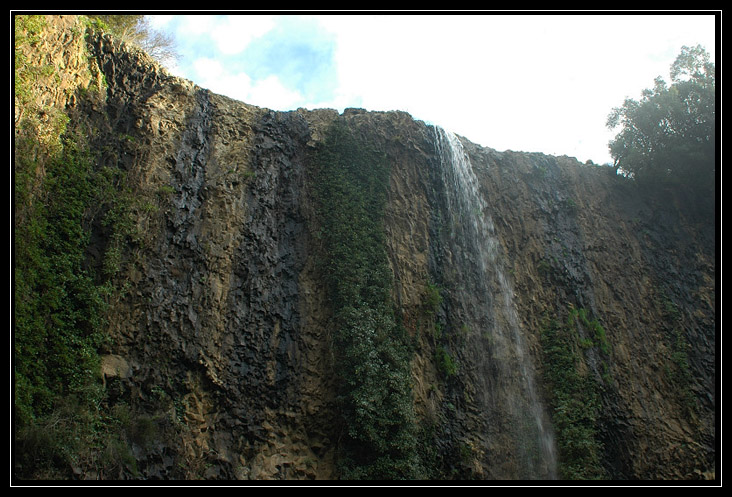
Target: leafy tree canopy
[[668, 136]]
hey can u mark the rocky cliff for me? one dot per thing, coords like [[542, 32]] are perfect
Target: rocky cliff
[[551, 320]]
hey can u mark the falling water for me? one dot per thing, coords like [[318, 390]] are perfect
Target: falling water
[[504, 367]]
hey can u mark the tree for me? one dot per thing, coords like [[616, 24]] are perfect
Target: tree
[[668, 137], [136, 29]]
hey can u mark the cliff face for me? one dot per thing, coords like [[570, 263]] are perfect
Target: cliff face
[[221, 336]]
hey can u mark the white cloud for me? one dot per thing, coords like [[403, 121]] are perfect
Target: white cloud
[[268, 92], [539, 83], [208, 69], [161, 21], [527, 82], [211, 74], [195, 25], [234, 33]]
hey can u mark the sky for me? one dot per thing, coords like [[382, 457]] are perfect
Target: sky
[[523, 82]]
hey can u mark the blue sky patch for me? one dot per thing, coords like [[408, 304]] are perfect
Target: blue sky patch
[[299, 53], [533, 82]]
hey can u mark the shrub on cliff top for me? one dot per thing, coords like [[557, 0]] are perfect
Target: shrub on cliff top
[[136, 30], [668, 136]]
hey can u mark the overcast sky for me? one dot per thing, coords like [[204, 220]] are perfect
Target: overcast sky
[[534, 83]]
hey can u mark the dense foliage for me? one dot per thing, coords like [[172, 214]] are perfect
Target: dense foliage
[[371, 349], [58, 304], [59, 299], [574, 399], [668, 136]]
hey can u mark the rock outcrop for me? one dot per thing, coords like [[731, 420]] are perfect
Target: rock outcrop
[[221, 335]]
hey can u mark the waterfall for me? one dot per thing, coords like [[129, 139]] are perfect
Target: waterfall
[[497, 349]]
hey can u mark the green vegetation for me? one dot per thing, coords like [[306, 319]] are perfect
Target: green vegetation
[[677, 369], [38, 127], [371, 348], [58, 305], [445, 363], [668, 137], [598, 338], [60, 298], [574, 397], [136, 30], [431, 299], [59, 317], [27, 33]]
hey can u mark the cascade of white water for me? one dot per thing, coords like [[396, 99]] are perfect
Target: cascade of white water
[[473, 236]]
